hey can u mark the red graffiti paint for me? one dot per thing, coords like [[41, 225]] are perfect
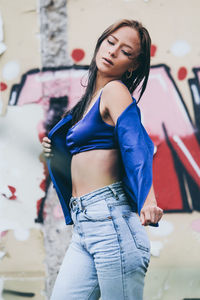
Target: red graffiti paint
[[78, 54], [169, 196], [182, 73], [45, 171], [43, 185], [39, 202], [41, 135], [13, 190], [3, 86], [153, 50]]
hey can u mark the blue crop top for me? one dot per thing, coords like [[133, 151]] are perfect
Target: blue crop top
[[91, 132]]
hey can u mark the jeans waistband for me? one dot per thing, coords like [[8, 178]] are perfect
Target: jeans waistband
[[114, 189]]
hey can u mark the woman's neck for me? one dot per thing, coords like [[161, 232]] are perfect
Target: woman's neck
[[101, 81]]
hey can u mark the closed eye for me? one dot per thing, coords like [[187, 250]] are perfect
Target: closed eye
[[126, 53], [109, 42], [123, 51]]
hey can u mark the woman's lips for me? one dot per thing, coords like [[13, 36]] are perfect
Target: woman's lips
[[108, 61]]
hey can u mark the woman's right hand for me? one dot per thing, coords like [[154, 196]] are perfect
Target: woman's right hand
[[46, 143]]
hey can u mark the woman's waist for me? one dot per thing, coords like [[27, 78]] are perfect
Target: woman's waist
[[94, 170], [113, 192], [83, 184]]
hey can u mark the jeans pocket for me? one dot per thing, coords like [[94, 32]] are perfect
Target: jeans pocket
[[97, 211], [137, 231]]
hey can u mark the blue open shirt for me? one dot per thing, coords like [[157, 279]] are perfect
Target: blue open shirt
[[136, 150]]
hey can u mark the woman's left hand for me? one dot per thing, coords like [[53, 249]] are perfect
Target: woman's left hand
[[150, 214]]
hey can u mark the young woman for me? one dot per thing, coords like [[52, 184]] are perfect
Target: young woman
[[100, 161]]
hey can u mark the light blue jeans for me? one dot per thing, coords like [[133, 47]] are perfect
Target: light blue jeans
[[109, 252]]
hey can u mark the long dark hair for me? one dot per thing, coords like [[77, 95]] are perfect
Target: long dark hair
[[140, 74]]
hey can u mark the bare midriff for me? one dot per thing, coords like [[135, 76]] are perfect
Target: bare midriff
[[94, 169]]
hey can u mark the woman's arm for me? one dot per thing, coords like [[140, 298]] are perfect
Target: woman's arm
[[116, 98]]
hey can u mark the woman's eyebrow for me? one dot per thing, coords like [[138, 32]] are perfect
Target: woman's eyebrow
[[123, 43]]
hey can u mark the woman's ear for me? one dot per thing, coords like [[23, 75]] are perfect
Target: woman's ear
[[130, 70], [135, 64]]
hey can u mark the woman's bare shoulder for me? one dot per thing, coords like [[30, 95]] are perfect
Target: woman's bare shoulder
[[116, 97], [114, 85]]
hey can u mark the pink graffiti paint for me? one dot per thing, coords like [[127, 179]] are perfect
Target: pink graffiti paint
[[198, 76], [182, 73], [3, 86], [78, 54], [153, 50], [33, 83], [44, 85], [3, 233], [196, 225], [57, 212], [162, 103]]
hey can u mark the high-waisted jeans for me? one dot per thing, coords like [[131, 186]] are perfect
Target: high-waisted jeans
[[109, 252]]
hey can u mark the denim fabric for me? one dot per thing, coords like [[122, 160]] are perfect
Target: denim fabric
[[109, 252]]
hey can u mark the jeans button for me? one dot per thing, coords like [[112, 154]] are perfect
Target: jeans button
[[74, 202]]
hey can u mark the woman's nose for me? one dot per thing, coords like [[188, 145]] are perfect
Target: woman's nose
[[113, 51]]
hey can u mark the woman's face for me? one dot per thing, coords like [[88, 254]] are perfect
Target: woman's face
[[118, 52]]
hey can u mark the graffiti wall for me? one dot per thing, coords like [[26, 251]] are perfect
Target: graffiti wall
[[177, 159], [33, 99], [22, 269], [166, 118]]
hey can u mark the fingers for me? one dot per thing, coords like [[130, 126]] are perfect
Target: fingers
[[46, 143], [47, 150], [46, 140], [48, 154], [142, 218], [145, 217], [159, 214], [46, 147], [150, 214]]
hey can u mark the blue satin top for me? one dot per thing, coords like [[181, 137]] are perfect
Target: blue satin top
[[91, 132], [136, 150]]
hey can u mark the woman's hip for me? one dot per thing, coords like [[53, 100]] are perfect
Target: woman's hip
[[107, 226], [96, 205]]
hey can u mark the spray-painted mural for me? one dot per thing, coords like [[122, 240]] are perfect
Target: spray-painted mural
[[32, 104], [177, 161], [164, 115]]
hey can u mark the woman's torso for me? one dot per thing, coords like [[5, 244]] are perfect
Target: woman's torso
[[93, 169]]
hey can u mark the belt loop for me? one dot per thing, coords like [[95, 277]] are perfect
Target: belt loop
[[70, 203], [114, 192], [81, 205]]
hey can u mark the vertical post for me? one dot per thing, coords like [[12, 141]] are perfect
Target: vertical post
[[53, 32], [54, 54]]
